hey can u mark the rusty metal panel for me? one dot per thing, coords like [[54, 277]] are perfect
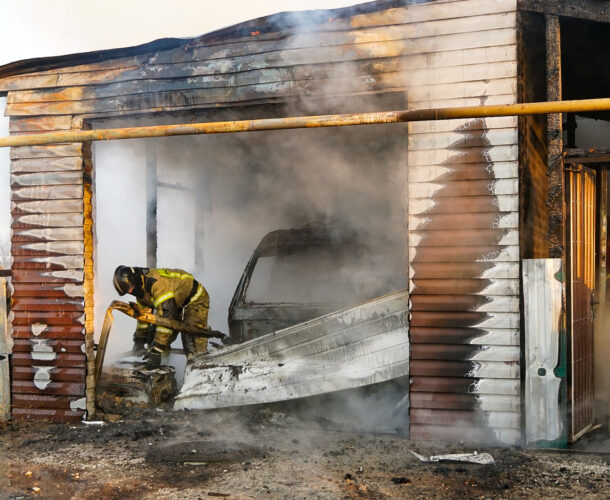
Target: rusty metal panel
[[48, 331], [467, 433], [506, 420], [581, 197], [48, 247], [440, 270], [42, 374], [47, 385], [49, 358], [465, 352], [487, 369], [467, 335], [49, 402], [542, 297], [47, 348], [48, 362], [48, 263], [446, 401], [490, 303], [53, 415], [49, 304], [52, 276], [44, 289], [474, 387]]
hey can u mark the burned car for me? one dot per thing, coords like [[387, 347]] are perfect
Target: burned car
[[295, 275]]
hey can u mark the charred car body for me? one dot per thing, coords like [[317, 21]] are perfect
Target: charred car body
[[295, 275]]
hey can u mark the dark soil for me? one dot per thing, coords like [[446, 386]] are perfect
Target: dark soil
[[262, 454]]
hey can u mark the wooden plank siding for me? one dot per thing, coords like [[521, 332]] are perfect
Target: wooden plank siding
[[464, 268], [48, 369], [463, 183]]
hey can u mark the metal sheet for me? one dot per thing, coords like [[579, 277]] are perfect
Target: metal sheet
[[53, 387], [351, 348], [48, 263], [464, 402], [542, 295], [48, 414], [52, 359], [457, 335], [43, 289], [469, 418], [466, 433], [44, 331]]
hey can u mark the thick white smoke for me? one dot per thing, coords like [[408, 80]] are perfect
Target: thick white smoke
[[239, 188]]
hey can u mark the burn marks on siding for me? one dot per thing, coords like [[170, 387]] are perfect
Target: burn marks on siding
[[463, 239], [48, 273]]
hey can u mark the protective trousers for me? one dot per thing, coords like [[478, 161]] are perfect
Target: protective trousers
[[194, 314]]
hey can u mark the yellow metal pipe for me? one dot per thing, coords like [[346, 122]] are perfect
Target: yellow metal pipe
[[338, 120]]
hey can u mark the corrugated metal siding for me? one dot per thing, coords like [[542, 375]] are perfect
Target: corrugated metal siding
[[48, 368], [463, 175], [463, 245]]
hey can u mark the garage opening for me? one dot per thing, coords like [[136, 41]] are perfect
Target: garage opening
[[331, 204]]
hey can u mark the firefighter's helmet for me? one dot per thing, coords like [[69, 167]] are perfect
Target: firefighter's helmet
[[125, 279]]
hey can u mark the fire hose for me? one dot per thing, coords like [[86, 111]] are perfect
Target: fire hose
[[145, 315]]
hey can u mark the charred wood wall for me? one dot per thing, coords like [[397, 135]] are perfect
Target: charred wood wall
[[534, 212], [463, 186]]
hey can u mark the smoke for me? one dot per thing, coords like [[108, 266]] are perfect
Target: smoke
[[234, 189]]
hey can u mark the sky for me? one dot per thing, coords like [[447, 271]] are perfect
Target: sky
[[42, 28]]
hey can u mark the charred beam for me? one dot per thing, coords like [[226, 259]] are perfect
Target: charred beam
[[554, 139], [591, 10]]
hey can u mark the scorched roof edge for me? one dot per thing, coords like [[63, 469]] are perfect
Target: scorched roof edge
[[267, 24]]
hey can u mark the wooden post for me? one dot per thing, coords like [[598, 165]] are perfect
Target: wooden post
[[88, 284], [601, 340], [555, 196], [151, 205], [555, 201], [5, 374]]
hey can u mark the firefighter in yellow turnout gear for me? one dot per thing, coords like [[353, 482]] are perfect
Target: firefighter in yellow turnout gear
[[174, 294]]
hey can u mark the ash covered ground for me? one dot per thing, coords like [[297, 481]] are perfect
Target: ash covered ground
[[261, 453]]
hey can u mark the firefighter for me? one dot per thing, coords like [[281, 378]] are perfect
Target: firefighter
[[174, 294]]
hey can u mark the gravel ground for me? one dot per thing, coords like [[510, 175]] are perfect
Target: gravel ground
[[260, 454]]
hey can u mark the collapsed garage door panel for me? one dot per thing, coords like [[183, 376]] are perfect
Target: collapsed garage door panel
[[359, 346]]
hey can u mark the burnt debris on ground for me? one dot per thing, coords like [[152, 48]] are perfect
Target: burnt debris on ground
[[259, 452]]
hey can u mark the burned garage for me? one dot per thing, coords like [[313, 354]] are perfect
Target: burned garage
[[441, 275]]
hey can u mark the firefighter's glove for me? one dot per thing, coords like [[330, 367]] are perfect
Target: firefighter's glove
[[226, 340], [153, 357]]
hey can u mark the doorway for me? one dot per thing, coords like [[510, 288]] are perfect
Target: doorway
[[586, 200]]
